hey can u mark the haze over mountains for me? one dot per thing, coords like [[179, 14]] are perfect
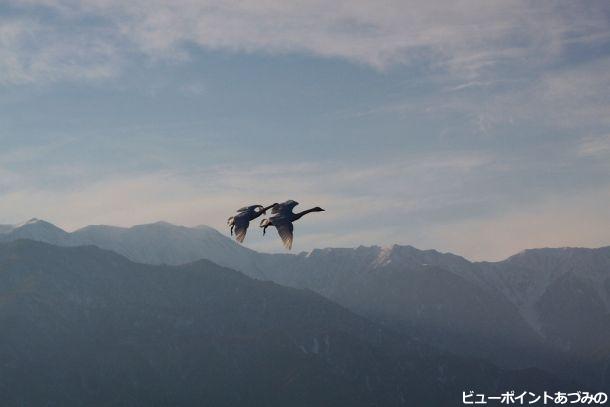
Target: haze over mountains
[[547, 308], [85, 326]]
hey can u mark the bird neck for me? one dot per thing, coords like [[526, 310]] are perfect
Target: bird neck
[[299, 215]]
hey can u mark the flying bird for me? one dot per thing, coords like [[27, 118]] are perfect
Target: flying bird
[[283, 218], [239, 223]]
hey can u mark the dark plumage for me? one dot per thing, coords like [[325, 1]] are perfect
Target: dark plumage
[[240, 222], [283, 218]]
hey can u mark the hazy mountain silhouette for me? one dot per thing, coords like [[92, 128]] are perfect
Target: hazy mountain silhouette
[[85, 326], [546, 307]]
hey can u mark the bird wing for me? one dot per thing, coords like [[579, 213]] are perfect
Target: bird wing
[[241, 227], [284, 229], [284, 207], [251, 208]]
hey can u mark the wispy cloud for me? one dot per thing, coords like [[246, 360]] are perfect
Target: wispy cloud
[[500, 113], [595, 147], [464, 38], [35, 51], [366, 197], [449, 201], [572, 98]]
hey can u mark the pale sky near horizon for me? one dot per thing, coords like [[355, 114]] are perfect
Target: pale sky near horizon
[[476, 127]]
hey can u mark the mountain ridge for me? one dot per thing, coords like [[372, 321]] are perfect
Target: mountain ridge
[[82, 325], [36, 223], [513, 312]]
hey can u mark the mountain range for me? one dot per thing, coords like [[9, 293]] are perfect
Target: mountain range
[[544, 308], [86, 326]]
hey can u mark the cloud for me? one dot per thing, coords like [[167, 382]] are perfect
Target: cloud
[[459, 202], [362, 204], [595, 147], [465, 38], [569, 99], [513, 65], [33, 51]]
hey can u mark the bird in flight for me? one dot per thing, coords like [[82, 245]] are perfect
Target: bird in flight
[[283, 218], [239, 223]]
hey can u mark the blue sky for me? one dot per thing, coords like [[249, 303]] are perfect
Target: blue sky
[[477, 127]]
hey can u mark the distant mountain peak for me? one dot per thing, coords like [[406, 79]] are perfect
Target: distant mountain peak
[[161, 223], [31, 221], [36, 229], [37, 223], [205, 227], [555, 253]]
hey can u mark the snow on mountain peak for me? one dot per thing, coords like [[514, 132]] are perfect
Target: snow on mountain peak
[[31, 221], [384, 257]]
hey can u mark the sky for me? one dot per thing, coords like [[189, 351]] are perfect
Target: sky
[[476, 127]]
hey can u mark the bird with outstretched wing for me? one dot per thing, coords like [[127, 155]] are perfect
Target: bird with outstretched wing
[[239, 223], [282, 219]]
